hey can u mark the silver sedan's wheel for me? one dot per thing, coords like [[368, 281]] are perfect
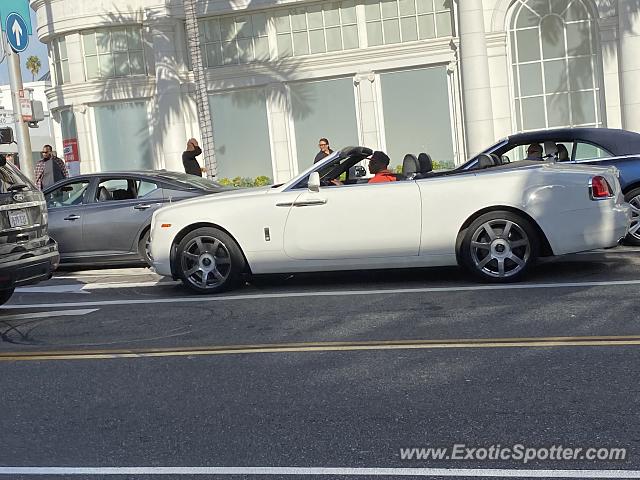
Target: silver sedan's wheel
[[209, 261], [206, 262], [499, 246], [633, 236]]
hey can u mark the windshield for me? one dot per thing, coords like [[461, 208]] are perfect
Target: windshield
[[10, 176]]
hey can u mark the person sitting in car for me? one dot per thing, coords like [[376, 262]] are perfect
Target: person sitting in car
[[379, 166], [563, 153], [534, 152]]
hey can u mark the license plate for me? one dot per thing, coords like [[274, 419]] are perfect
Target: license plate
[[18, 218]]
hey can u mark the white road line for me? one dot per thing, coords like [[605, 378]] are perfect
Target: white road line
[[59, 313], [84, 288], [270, 471], [330, 293]]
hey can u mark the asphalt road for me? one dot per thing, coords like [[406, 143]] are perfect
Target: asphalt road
[[120, 368]]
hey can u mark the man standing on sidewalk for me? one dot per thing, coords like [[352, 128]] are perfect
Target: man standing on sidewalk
[[50, 169], [191, 165]]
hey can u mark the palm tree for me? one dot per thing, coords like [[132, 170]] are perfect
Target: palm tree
[[33, 65], [202, 99]]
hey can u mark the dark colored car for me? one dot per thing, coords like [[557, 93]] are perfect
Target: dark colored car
[[595, 146], [27, 254], [104, 218]]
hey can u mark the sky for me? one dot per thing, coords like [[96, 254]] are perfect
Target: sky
[[36, 48]]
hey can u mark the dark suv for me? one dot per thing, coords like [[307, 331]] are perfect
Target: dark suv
[[27, 254]]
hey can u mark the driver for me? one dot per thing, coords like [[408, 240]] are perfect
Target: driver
[[379, 166]]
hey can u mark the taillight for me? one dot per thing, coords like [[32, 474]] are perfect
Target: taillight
[[600, 188]]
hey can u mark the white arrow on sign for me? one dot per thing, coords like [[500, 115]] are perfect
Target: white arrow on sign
[[17, 31]]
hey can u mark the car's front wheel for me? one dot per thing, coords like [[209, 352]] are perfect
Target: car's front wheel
[[209, 261], [5, 295], [499, 247], [633, 198], [144, 248]]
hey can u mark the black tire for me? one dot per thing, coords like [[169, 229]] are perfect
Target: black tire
[[633, 197], [213, 265], [5, 295], [482, 256], [143, 248]]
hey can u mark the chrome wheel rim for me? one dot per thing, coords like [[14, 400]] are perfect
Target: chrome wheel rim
[[147, 247], [634, 227], [500, 248], [206, 262]]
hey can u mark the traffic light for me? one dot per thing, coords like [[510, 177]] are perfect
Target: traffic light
[[6, 136]]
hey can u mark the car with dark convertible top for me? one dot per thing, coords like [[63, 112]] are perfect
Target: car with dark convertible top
[[601, 147]]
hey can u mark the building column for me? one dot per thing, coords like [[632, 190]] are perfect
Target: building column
[[611, 72], [368, 110], [629, 21], [474, 66], [280, 135], [168, 120]]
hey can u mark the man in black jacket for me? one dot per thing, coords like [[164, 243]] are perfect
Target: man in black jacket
[[191, 165]]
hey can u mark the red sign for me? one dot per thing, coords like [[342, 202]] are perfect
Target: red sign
[[71, 156], [70, 148]]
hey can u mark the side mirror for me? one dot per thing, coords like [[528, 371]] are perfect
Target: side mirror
[[314, 182], [505, 160]]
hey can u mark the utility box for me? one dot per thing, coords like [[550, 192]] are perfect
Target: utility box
[[6, 136]]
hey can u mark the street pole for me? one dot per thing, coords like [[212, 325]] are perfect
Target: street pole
[[22, 129], [202, 96]]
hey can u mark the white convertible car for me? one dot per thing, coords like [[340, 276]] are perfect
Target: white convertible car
[[494, 221]]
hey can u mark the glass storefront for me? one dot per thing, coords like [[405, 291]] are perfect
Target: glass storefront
[[241, 134], [324, 109], [417, 114], [124, 140]]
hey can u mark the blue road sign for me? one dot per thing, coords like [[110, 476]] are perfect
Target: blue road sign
[[17, 33], [21, 7]]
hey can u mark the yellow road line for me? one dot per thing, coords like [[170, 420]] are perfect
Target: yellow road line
[[531, 342]]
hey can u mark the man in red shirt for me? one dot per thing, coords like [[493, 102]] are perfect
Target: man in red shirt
[[379, 166]]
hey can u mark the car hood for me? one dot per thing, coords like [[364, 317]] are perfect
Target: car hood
[[220, 196]]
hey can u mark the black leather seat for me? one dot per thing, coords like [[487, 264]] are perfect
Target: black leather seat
[[121, 194], [104, 195], [410, 167], [426, 165]]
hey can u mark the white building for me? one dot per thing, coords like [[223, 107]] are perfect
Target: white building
[[404, 76], [41, 135]]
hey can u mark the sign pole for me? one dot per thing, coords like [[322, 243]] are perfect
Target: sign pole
[[22, 129]]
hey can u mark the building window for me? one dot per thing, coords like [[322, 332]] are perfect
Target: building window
[[399, 21], [309, 107], [240, 112], [555, 64], [123, 136], [113, 52], [322, 28], [60, 60], [234, 40]]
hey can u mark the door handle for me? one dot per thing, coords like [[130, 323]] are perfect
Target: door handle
[[72, 218], [302, 203], [141, 207]]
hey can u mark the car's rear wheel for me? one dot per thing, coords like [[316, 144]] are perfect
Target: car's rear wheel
[[144, 248], [209, 261], [499, 247], [633, 198], [5, 295]]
